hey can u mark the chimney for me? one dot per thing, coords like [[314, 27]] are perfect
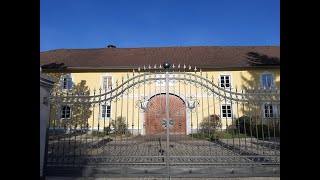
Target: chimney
[[111, 46]]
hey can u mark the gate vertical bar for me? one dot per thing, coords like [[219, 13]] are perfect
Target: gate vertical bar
[[121, 115], [166, 66]]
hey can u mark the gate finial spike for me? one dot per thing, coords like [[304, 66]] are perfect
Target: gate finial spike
[[155, 66], [144, 67], [184, 66], [189, 67], [206, 75], [173, 66], [139, 68], [195, 68], [160, 66], [149, 66], [179, 66]]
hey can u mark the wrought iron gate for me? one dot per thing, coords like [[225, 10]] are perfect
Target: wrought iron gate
[[123, 131]]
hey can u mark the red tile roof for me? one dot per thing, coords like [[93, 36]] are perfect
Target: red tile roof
[[200, 56]]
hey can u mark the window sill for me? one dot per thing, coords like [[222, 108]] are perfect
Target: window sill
[[64, 90], [102, 118], [226, 88], [228, 118], [271, 118], [268, 88]]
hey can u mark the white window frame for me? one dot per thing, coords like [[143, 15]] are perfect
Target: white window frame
[[221, 113], [230, 80], [62, 82], [101, 110], [102, 78], [272, 83], [274, 109], [61, 111]]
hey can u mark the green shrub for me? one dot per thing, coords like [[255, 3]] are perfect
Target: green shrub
[[119, 126], [210, 124], [258, 127], [98, 133], [217, 135], [106, 131]]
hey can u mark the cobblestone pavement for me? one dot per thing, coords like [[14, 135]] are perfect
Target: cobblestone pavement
[[183, 149], [92, 178]]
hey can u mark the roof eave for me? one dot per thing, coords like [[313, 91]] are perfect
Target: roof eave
[[141, 67]]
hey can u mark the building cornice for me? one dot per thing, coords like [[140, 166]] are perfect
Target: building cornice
[[129, 68]]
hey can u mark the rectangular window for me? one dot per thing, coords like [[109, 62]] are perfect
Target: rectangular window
[[267, 80], [269, 111], [66, 83], [226, 111], [65, 112], [106, 111], [225, 81], [106, 82]]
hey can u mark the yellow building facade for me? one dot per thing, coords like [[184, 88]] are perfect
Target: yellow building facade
[[112, 95], [126, 105]]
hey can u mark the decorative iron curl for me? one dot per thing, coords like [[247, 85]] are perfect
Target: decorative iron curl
[[142, 104], [209, 93], [137, 86], [115, 99], [126, 93], [173, 81], [149, 81], [192, 104], [160, 82], [129, 90], [195, 84]]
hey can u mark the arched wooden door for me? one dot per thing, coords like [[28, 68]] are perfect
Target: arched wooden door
[[155, 115]]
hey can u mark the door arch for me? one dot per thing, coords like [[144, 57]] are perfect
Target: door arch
[[155, 115]]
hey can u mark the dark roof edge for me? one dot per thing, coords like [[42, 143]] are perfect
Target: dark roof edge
[[155, 47], [88, 69]]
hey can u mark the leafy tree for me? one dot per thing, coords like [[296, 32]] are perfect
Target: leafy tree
[[80, 111]]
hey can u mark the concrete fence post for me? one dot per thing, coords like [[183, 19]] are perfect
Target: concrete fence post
[[46, 84]]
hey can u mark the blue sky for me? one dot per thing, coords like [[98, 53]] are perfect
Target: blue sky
[[158, 23]]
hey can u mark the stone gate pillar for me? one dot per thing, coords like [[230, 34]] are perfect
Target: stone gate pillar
[[46, 83]]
